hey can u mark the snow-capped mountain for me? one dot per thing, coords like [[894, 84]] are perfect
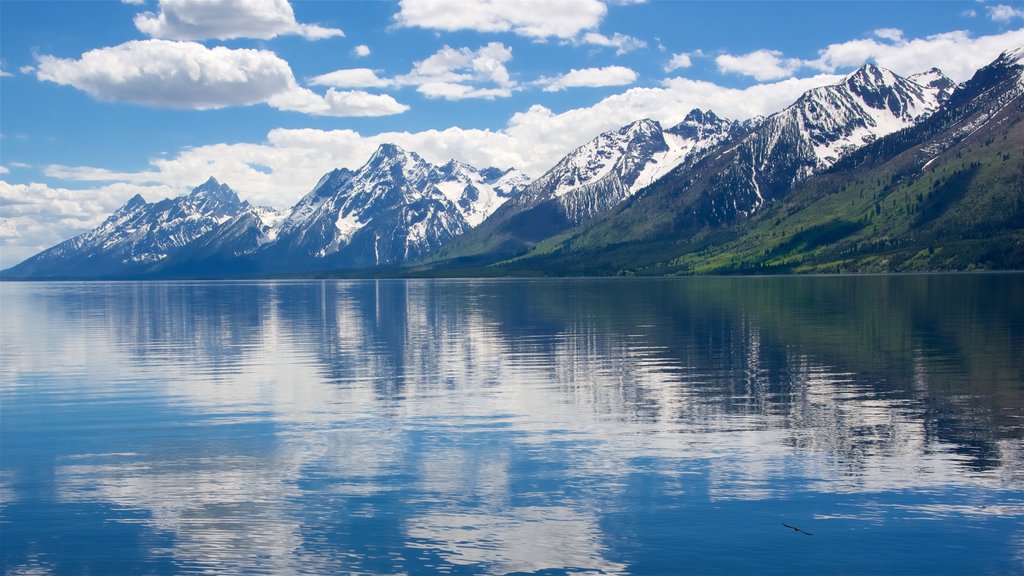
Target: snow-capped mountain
[[595, 178], [868, 104], [618, 163], [477, 193], [139, 234], [395, 208], [819, 128]]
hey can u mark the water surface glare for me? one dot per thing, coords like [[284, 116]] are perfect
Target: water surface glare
[[656, 426]]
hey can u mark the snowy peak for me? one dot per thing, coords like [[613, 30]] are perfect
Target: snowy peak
[[934, 79], [831, 121], [1012, 60], [622, 152], [881, 89], [133, 203], [394, 207], [476, 194], [699, 124]]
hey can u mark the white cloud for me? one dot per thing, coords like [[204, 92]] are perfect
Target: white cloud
[[173, 74], [337, 103], [969, 14], [450, 73], [1004, 13], [621, 42], [27, 69], [227, 19], [359, 103], [760, 64], [894, 34], [957, 53], [459, 73], [351, 78], [590, 77], [4, 170], [361, 51], [559, 19], [5, 74], [456, 91], [681, 60], [163, 73], [134, 2]]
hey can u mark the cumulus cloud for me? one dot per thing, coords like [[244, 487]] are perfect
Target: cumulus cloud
[[337, 103], [164, 73], [681, 60], [957, 53], [760, 64], [459, 73], [351, 78], [450, 73], [621, 42], [590, 77], [227, 19], [4, 170], [172, 74], [1004, 13], [556, 19], [456, 91], [894, 34], [361, 51]]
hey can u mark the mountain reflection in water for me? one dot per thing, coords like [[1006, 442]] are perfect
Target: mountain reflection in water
[[479, 426]]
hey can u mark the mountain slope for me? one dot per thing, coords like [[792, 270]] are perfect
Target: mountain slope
[[945, 193], [593, 179]]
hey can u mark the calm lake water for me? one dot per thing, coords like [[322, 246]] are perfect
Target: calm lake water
[[482, 427]]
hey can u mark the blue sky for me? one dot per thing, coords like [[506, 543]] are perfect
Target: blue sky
[[102, 100]]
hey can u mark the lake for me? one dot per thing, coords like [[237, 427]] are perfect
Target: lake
[[620, 426]]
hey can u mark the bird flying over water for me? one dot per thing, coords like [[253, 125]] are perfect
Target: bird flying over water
[[796, 529]]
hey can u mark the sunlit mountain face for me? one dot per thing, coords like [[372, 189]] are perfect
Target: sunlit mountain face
[[419, 425]]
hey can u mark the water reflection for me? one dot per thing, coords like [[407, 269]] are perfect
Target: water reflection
[[510, 426]]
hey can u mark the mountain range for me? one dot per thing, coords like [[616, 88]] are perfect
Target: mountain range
[[877, 172]]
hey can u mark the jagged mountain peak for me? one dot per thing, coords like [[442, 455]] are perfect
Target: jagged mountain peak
[[212, 188], [212, 198], [388, 152], [1012, 56], [935, 79], [699, 124], [642, 127], [133, 203]]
